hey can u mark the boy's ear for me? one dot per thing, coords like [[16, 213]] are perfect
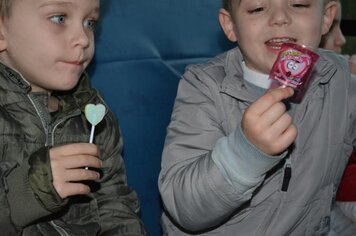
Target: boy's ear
[[227, 25], [330, 11]]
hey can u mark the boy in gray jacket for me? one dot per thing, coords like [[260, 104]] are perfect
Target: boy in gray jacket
[[52, 181], [239, 158]]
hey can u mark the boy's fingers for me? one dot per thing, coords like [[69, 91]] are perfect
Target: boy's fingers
[[77, 148], [282, 124], [270, 98], [78, 161], [71, 189], [283, 141], [289, 135], [85, 148], [81, 174], [271, 115]]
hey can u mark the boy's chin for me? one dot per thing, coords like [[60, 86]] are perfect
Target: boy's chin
[[69, 85]]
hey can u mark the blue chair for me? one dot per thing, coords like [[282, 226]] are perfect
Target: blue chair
[[142, 48]]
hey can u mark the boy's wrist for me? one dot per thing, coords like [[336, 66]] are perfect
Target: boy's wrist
[[241, 161]]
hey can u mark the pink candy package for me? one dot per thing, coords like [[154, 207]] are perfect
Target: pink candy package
[[293, 67]]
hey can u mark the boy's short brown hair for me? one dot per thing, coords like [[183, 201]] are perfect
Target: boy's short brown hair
[[227, 5], [5, 7]]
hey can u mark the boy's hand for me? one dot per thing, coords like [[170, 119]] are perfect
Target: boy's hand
[[68, 162], [267, 125]]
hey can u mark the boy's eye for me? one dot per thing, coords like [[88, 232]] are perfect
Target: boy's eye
[[58, 19], [90, 24], [255, 10]]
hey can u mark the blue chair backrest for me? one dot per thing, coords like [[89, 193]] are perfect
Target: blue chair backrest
[[142, 48]]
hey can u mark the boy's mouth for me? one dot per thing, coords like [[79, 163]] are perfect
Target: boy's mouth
[[275, 44], [78, 63]]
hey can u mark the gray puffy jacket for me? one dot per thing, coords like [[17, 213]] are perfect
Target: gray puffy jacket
[[293, 197]]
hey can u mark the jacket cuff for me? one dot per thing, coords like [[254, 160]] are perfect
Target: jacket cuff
[[242, 164], [40, 179]]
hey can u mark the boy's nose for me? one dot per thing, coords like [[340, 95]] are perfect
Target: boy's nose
[[81, 37], [279, 16]]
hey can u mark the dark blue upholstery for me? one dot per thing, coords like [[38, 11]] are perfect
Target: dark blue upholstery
[[142, 48]]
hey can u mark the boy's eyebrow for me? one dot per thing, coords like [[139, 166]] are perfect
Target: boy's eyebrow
[[49, 3], [96, 10]]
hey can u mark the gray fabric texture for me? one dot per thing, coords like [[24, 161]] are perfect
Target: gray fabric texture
[[210, 102]]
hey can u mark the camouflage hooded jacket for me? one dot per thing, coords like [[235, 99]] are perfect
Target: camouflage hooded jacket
[[28, 201]]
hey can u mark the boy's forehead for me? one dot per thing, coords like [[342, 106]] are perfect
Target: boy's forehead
[[65, 2]]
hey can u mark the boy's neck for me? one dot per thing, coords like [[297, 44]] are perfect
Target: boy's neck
[[256, 78], [53, 103]]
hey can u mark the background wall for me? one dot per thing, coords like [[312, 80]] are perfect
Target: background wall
[[349, 12], [142, 48]]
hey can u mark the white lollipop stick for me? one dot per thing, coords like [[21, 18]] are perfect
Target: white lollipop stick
[[94, 114], [92, 134]]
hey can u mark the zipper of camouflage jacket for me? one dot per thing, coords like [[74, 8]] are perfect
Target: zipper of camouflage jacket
[[53, 127], [49, 128], [49, 142], [41, 116]]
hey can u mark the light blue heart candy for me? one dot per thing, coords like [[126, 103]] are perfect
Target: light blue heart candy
[[94, 113]]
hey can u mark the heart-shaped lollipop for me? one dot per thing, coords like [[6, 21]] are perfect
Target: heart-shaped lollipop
[[94, 114]]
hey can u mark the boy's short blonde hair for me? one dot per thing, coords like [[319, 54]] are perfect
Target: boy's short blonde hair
[[5, 7]]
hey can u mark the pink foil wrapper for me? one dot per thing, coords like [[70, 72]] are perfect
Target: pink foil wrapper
[[293, 67]]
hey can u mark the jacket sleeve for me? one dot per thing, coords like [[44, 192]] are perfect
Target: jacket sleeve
[[198, 189], [28, 190], [118, 204], [6, 225]]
